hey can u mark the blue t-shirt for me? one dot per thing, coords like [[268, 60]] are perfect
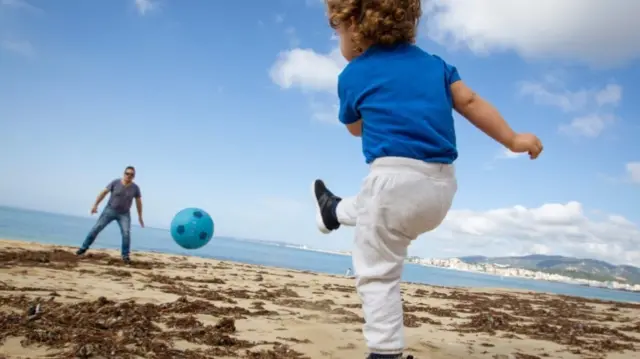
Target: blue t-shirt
[[402, 95]]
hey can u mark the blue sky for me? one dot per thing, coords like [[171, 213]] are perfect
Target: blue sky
[[231, 108]]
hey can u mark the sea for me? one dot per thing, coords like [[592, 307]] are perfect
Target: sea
[[50, 228]]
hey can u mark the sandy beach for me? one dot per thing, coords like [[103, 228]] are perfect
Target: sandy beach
[[53, 304]]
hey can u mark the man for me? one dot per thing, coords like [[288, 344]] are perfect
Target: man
[[123, 191]]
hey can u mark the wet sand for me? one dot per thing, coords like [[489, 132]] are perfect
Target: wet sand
[[53, 304]]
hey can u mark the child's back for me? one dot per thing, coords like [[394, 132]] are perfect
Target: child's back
[[403, 93], [400, 100]]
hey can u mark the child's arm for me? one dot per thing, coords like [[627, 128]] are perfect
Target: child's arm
[[348, 114], [481, 114], [355, 128]]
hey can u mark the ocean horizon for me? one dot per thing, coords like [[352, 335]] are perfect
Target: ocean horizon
[[67, 230]]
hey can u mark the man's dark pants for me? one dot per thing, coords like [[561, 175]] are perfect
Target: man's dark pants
[[107, 216]]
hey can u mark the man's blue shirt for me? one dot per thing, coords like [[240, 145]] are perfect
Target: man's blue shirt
[[402, 95]]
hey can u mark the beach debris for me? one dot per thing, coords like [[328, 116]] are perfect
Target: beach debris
[[109, 328], [33, 312]]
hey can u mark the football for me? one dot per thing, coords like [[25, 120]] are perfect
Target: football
[[192, 228]]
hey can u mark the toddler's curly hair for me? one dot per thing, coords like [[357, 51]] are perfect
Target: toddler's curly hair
[[377, 22]]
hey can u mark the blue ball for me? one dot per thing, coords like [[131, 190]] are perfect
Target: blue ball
[[192, 228]]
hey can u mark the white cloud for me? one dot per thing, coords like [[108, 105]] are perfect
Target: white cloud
[[308, 70], [144, 6], [551, 228], [16, 44], [633, 170], [553, 93], [507, 154], [311, 72], [595, 32], [595, 104], [590, 126], [539, 249], [565, 100], [325, 111], [292, 35], [631, 175], [19, 4], [609, 95], [19, 47]]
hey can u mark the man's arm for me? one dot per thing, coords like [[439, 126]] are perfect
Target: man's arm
[[481, 114], [139, 206], [101, 196], [138, 197]]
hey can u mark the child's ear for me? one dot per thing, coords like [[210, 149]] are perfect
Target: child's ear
[[353, 24]]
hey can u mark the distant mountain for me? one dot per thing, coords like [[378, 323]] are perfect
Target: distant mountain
[[592, 269]]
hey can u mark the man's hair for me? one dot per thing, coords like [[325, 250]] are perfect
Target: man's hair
[[377, 22], [130, 168]]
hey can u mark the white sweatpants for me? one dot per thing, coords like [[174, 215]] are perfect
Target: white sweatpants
[[400, 199]]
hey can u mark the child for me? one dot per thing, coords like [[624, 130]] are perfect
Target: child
[[399, 99]]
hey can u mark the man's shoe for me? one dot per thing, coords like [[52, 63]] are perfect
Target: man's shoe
[[126, 260], [81, 251], [326, 203], [388, 356]]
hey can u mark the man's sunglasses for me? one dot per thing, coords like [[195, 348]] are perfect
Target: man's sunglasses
[[130, 174]]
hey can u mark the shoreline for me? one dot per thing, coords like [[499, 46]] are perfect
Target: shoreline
[[567, 280], [575, 282], [337, 274], [190, 307], [611, 286]]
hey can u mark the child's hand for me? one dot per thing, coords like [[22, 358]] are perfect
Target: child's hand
[[526, 142]]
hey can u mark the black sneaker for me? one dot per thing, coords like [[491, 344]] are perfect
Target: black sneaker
[[326, 203], [126, 260], [81, 251], [388, 356]]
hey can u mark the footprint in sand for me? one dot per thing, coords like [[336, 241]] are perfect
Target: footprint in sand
[[430, 346]]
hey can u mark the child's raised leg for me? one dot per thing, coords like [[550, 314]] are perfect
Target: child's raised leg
[[331, 210], [399, 200]]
